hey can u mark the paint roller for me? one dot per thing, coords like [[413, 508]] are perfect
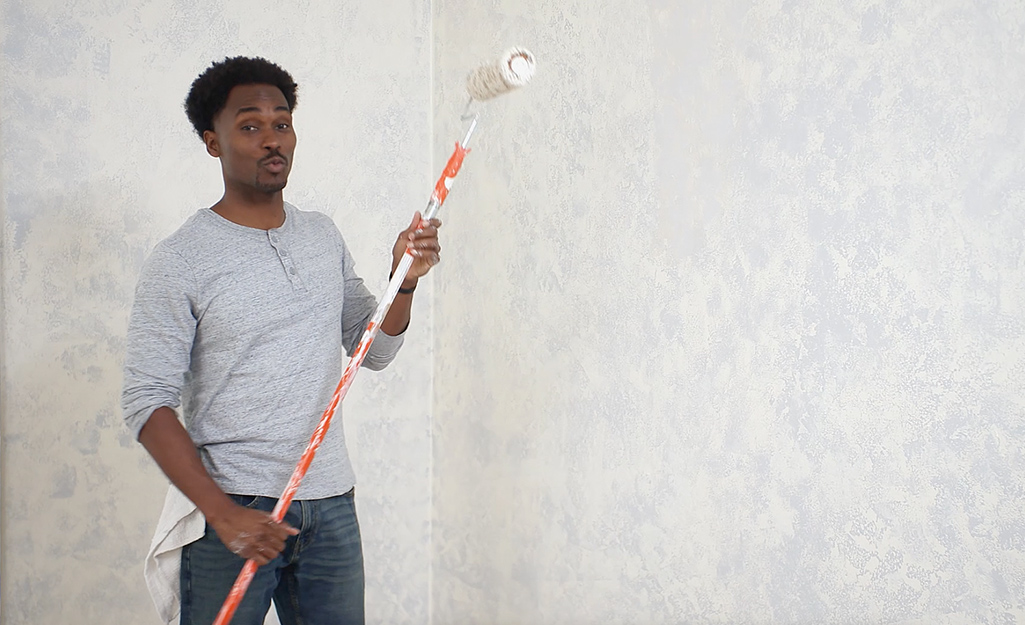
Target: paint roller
[[512, 70]]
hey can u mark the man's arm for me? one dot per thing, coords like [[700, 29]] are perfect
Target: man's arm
[[252, 534], [422, 238], [160, 338]]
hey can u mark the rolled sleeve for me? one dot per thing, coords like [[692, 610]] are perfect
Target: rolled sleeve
[[161, 331], [358, 308], [383, 350]]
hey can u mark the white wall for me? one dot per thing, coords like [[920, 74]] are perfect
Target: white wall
[[99, 164], [728, 330], [734, 332]]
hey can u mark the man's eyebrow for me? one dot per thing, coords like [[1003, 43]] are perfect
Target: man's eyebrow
[[256, 109]]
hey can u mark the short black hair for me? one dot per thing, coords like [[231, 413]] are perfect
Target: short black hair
[[210, 90]]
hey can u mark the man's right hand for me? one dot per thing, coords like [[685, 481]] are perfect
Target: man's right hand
[[252, 534]]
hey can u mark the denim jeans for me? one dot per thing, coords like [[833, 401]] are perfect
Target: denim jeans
[[316, 580]]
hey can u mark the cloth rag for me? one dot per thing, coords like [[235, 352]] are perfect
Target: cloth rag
[[180, 523]]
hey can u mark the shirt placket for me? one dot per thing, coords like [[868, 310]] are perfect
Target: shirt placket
[[287, 262]]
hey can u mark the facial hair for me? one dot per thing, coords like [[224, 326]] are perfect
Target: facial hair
[[272, 187]]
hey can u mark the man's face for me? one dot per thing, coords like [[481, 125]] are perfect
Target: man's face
[[254, 139]]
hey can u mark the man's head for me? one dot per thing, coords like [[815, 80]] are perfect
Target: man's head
[[242, 109]]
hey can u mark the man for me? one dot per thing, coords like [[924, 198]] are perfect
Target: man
[[241, 317]]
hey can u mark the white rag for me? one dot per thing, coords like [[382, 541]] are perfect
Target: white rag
[[180, 523]]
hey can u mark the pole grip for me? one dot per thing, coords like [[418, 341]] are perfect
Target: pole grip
[[451, 170]]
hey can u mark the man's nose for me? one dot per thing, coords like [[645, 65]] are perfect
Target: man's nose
[[270, 140]]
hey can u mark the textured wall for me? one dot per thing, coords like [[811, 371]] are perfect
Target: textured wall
[[98, 165], [729, 327], [734, 330]]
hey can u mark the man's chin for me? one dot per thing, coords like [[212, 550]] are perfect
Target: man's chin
[[271, 188]]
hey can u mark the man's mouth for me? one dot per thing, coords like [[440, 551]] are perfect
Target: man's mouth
[[275, 165]]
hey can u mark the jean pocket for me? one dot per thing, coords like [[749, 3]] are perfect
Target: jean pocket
[[246, 501]]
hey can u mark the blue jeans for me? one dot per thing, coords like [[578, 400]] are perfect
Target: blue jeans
[[316, 580]]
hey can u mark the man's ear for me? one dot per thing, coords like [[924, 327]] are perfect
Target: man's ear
[[213, 147]]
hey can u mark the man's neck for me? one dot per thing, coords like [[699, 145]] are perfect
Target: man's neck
[[263, 213]]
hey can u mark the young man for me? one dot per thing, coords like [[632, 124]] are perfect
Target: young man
[[242, 316]]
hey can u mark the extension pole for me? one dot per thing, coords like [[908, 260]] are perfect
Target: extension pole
[[514, 69]]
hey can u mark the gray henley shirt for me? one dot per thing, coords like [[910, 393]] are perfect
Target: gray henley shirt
[[244, 328]]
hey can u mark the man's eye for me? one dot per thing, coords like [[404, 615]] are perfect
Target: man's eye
[[284, 126], [248, 127]]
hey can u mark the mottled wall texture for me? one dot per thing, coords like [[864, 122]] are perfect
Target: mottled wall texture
[[99, 164], [732, 328]]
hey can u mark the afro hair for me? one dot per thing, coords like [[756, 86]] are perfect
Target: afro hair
[[210, 90]]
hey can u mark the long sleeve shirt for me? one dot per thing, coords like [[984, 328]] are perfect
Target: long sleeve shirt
[[245, 330]]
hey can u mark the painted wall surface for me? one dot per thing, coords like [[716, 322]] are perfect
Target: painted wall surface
[[99, 164], [729, 327], [733, 327]]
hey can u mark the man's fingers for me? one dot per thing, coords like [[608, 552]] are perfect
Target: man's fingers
[[256, 553], [420, 229], [263, 539], [426, 232], [420, 225], [423, 242], [427, 244], [280, 529], [271, 543], [260, 558], [263, 552]]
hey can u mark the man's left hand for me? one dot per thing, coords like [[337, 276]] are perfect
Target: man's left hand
[[421, 238]]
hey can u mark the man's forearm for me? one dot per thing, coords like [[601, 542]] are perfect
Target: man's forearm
[[397, 319], [170, 445]]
